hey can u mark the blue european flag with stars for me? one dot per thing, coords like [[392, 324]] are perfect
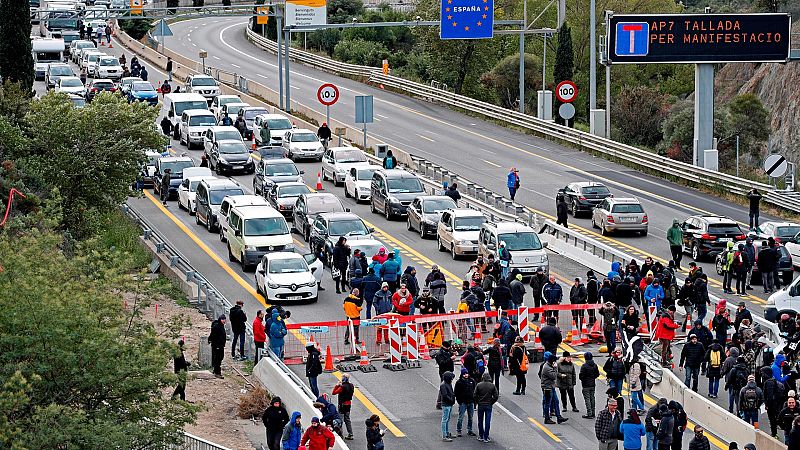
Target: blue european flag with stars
[[467, 19]]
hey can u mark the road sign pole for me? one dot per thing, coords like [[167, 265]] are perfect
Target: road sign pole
[[328, 116], [737, 155], [287, 37], [522, 56], [703, 112], [608, 99], [365, 136], [592, 57], [279, 27]]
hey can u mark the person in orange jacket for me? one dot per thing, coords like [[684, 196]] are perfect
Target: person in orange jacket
[[665, 333], [402, 300], [259, 333], [317, 436], [352, 309]]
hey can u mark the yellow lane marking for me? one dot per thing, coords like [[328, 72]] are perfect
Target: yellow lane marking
[[236, 277], [490, 163], [544, 428]]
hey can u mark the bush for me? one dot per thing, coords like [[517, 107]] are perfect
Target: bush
[[253, 403], [136, 28], [361, 52], [324, 40]]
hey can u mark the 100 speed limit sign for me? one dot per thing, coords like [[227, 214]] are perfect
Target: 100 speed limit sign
[[566, 91], [328, 94]]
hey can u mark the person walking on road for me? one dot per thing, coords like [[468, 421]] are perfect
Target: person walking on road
[[275, 419], [313, 367], [317, 436], [518, 365], [615, 370], [635, 385], [766, 265], [452, 192], [341, 260], [566, 381], [548, 373], [324, 134], [370, 286], [787, 416], [751, 397], [606, 426], [259, 335], [666, 426], [143, 73], [344, 390], [588, 375], [713, 359], [755, 205], [465, 396], [486, 395], [165, 184], [217, 339], [651, 422], [169, 68], [632, 430], [512, 182], [538, 280], [238, 324], [181, 370], [277, 331], [562, 211], [448, 399], [774, 396], [550, 335], [292, 432], [665, 333], [675, 239], [389, 161]]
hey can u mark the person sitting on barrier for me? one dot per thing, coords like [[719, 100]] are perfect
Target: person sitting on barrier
[[401, 300], [352, 306], [370, 285], [330, 415]]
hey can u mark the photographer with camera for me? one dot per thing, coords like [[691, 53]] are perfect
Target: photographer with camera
[[374, 433]]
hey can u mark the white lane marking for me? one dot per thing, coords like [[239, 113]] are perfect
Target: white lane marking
[[194, 44], [189, 39], [295, 87], [491, 163], [505, 410], [426, 138], [488, 151], [381, 116], [262, 76], [215, 57], [535, 192], [236, 65], [203, 24]]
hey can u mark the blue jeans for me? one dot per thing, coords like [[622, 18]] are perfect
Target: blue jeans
[[312, 382], [278, 350], [611, 340], [750, 416], [652, 443], [369, 308], [616, 384], [469, 408], [484, 420], [713, 385], [238, 336], [637, 399], [733, 398], [549, 406], [692, 373], [411, 308], [446, 409]]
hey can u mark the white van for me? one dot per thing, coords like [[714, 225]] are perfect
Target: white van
[[44, 52], [786, 300], [194, 123], [255, 231], [527, 250], [231, 202], [176, 104]]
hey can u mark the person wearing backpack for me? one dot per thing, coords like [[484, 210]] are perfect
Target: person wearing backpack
[[713, 360], [735, 380], [518, 365], [741, 263], [774, 396], [727, 268], [681, 420], [665, 428], [751, 397]]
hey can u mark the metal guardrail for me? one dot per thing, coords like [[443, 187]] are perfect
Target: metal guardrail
[[192, 442], [666, 167]]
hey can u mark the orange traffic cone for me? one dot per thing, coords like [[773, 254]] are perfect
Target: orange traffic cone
[[110, 44], [102, 44], [364, 361], [537, 341], [253, 146], [319, 181], [423, 349], [478, 339], [328, 360], [688, 327], [584, 332], [311, 339], [643, 328]]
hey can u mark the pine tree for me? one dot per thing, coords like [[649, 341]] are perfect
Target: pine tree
[[16, 61], [565, 62]]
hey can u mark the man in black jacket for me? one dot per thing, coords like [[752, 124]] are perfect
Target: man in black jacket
[[275, 418], [588, 375], [464, 392], [448, 398], [592, 293], [550, 335], [765, 264], [561, 213], [345, 389], [313, 367], [774, 396], [537, 284], [181, 370], [164, 188], [238, 321], [692, 357], [217, 340]]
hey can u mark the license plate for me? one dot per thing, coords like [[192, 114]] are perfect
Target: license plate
[[294, 297], [473, 249], [627, 219], [725, 239], [238, 167]]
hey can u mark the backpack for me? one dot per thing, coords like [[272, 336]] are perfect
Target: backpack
[[750, 399], [738, 260], [715, 358], [523, 366]]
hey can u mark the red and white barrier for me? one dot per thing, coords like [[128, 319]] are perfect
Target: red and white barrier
[[524, 328], [395, 345], [412, 342]]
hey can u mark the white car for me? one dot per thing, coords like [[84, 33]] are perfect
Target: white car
[[89, 61], [71, 85], [358, 181], [337, 161], [317, 268], [75, 48], [285, 276], [278, 126], [108, 67], [202, 84], [301, 143], [782, 231], [221, 100], [187, 192]]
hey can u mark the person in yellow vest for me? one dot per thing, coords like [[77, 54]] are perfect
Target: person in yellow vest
[[352, 309]]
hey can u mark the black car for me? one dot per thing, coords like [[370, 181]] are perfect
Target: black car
[[785, 268], [176, 164], [583, 196], [230, 157], [308, 206], [328, 227], [707, 236]]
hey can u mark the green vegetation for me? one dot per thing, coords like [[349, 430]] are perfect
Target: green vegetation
[[16, 61], [137, 28]]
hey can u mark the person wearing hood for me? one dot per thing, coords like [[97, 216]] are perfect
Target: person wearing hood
[[370, 285], [217, 339], [713, 360], [632, 430], [501, 295], [465, 396], [292, 432], [401, 300], [751, 397], [374, 433], [277, 331], [548, 374], [380, 257], [313, 367], [720, 324], [692, 357], [486, 396], [409, 278], [651, 422], [275, 419], [389, 161], [777, 368], [566, 381], [681, 421], [352, 306], [426, 304], [181, 369], [438, 286], [727, 268], [550, 335], [675, 239], [665, 429], [654, 293], [735, 380], [448, 399], [344, 391], [390, 271], [330, 415], [774, 396], [606, 427], [317, 436], [588, 375], [562, 212], [383, 299]]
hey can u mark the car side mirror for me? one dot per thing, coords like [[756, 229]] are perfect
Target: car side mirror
[[237, 233], [347, 210], [262, 271], [314, 269], [544, 244], [371, 229], [302, 172], [491, 247]]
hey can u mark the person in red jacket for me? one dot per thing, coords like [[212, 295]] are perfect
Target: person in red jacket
[[665, 333], [402, 300], [259, 334], [317, 437]]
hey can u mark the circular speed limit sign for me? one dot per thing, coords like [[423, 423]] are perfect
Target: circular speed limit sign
[[566, 91], [328, 94]]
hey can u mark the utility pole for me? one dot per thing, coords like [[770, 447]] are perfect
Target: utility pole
[[287, 38], [522, 56], [279, 27], [592, 56]]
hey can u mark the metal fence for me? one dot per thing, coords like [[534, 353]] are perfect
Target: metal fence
[[192, 442]]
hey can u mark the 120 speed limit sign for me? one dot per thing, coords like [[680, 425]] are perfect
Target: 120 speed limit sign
[[566, 91], [328, 94]]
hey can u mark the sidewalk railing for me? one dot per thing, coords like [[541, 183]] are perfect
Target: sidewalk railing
[[192, 442]]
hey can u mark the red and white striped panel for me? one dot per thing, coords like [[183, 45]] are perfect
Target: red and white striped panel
[[412, 342], [395, 344], [524, 329]]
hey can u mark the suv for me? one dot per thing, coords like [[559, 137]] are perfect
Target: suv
[[194, 123], [527, 251], [458, 231], [174, 163], [221, 100], [55, 71], [208, 198], [108, 67], [254, 231], [328, 227], [620, 214], [308, 206], [278, 126], [250, 113], [231, 202], [219, 133], [583, 196], [392, 190], [425, 211], [203, 85], [337, 161], [707, 236], [273, 171]]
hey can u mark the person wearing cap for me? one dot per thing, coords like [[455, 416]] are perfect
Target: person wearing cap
[[512, 182], [665, 333], [344, 389], [181, 367], [313, 367], [318, 436], [425, 303], [292, 432], [217, 339], [692, 357], [742, 313], [632, 430], [438, 287], [588, 375], [566, 381], [275, 419], [604, 427], [665, 429], [324, 134], [238, 323]]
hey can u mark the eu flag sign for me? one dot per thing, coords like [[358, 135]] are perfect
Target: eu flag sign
[[467, 19]]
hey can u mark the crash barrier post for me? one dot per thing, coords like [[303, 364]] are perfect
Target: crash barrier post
[[412, 345], [395, 347], [524, 329]]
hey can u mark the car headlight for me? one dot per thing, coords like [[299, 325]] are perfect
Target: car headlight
[[320, 149], [312, 283], [393, 200], [464, 243], [432, 223], [250, 248], [272, 285], [195, 133], [289, 246], [222, 160], [339, 170]]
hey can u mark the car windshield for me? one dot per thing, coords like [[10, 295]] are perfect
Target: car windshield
[[595, 190], [293, 191], [231, 135], [787, 233], [225, 101], [270, 226], [79, 102], [365, 174], [93, 57], [234, 109], [109, 62], [324, 203], [350, 156], [283, 169], [102, 85], [353, 227], [230, 148], [71, 82], [437, 205], [180, 107], [405, 185], [469, 223], [279, 124], [293, 265], [521, 241], [218, 194], [204, 82], [197, 121], [145, 86], [251, 114], [176, 167], [304, 137], [61, 70], [627, 208], [724, 228]]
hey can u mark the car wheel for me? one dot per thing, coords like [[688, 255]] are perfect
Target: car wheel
[[695, 252], [387, 212], [718, 265], [421, 231], [644, 233], [222, 235], [408, 224], [439, 244], [245, 266], [574, 209], [209, 226], [231, 258], [453, 252], [346, 192]]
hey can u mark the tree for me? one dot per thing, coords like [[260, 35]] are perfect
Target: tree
[[565, 61], [637, 114], [16, 61], [343, 11], [749, 119], [136, 28], [359, 51], [678, 130], [81, 370], [324, 40], [504, 80]]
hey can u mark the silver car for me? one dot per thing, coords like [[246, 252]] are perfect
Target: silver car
[[282, 196], [620, 214]]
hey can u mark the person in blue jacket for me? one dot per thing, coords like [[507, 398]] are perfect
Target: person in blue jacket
[[632, 430], [277, 330], [777, 368], [512, 182], [616, 270], [390, 272], [292, 432], [370, 285], [654, 293]]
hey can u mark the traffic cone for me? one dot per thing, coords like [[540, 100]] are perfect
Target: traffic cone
[[643, 328], [478, 339], [253, 146], [364, 360], [102, 44], [688, 326], [311, 339], [423, 349], [537, 342], [576, 333], [110, 44], [584, 332], [319, 181], [328, 360]]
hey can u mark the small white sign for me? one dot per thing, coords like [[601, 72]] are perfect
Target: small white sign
[[306, 12]]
